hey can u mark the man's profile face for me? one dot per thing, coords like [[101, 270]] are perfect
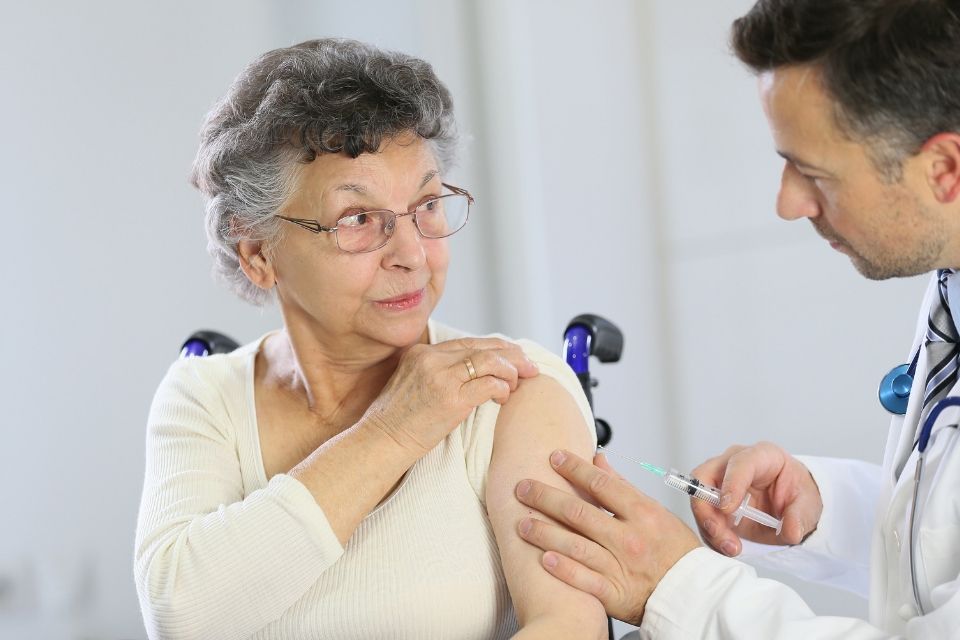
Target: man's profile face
[[882, 226]]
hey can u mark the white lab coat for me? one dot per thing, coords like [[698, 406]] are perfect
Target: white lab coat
[[862, 539]]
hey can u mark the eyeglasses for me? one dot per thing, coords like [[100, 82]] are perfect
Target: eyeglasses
[[367, 231]]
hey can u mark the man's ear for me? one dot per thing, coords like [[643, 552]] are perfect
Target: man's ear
[[257, 266], [943, 166]]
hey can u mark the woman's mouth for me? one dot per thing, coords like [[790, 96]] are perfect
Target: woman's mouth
[[403, 302]]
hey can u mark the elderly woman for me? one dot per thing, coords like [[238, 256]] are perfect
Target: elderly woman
[[351, 474]]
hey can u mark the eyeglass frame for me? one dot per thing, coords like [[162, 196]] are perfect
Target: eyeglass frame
[[315, 226]]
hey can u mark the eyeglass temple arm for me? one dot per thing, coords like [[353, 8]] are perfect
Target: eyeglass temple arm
[[309, 225], [459, 191]]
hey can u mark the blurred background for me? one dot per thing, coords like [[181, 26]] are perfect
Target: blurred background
[[621, 166]]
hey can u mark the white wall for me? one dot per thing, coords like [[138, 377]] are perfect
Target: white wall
[[621, 166]]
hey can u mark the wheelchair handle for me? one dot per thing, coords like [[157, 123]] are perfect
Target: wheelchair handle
[[205, 343], [591, 335], [606, 339]]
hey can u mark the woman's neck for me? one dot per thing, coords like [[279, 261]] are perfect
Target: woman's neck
[[337, 381]]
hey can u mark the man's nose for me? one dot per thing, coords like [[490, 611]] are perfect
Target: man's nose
[[797, 197]]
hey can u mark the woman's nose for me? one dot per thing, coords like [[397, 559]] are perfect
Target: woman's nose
[[405, 248], [796, 198]]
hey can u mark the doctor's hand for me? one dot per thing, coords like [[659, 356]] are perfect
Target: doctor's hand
[[777, 482], [619, 559]]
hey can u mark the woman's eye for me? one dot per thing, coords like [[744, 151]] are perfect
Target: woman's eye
[[356, 220]]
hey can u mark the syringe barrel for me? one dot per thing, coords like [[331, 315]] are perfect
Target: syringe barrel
[[696, 489], [692, 487]]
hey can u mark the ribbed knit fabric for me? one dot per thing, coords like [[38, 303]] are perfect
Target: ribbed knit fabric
[[223, 553]]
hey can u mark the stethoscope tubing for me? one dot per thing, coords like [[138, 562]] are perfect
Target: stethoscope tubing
[[926, 431], [894, 395], [913, 534]]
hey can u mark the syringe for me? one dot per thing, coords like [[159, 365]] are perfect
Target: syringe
[[696, 489]]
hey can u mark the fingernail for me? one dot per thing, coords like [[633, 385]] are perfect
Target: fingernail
[[803, 531], [725, 500], [557, 458], [710, 527], [728, 549], [532, 363], [525, 526], [549, 560], [523, 488]]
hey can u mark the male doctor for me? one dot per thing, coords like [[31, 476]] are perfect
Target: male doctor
[[863, 101]]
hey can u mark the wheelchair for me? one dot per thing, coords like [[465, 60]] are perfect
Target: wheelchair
[[585, 336]]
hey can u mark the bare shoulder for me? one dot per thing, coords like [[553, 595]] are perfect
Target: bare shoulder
[[543, 412], [540, 417]]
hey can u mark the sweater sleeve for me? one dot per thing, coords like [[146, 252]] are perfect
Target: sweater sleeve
[[211, 561]]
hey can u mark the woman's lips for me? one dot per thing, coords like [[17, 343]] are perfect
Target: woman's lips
[[402, 303]]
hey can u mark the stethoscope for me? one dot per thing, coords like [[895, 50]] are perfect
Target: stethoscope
[[894, 395]]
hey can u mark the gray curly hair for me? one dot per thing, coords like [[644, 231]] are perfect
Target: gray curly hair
[[288, 106]]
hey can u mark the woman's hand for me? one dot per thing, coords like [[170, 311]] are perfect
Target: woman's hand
[[777, 482], [435, 387]]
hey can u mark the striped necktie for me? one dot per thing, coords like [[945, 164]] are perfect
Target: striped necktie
[[941, 347]]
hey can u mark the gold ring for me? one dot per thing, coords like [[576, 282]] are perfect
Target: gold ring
[[471, 370]]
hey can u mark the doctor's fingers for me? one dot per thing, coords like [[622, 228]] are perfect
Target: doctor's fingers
[[712, 471], [618, 599], [758, 467], [552, 537], [717, 532], [578, 515], [800, 517], [715, 527], [614, 598], [734, 472], [606, 487]]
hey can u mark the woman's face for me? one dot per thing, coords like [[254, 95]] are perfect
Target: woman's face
[[386, 295]]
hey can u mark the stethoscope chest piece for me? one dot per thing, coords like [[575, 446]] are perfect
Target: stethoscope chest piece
[[894, 389]]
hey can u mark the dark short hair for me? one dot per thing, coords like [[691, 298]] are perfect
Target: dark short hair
[[892, 67], [292, 104]]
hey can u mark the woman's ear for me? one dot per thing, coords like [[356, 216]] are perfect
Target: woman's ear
[[255, 264], [943, 169]]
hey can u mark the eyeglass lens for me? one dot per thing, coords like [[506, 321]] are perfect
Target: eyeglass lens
[[437, 218]]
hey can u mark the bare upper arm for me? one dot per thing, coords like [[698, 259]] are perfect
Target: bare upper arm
[[541, 416]]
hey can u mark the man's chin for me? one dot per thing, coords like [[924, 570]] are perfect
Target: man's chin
[[875, 272]]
